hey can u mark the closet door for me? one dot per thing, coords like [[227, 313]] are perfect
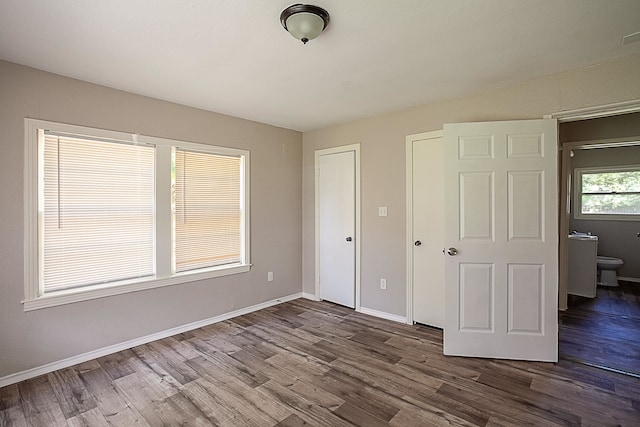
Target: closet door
[[336, 227]]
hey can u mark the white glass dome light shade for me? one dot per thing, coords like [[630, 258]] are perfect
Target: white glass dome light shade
[[305, 26], [304, 22]]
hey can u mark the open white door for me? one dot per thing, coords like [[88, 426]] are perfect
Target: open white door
[[502, 241]]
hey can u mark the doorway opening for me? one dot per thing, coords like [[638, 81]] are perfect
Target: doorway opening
[[600, 331]]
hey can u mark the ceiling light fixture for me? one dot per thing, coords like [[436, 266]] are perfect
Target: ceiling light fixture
[[304, 21]]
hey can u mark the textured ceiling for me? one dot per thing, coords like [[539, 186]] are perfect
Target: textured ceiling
[[376, 56]]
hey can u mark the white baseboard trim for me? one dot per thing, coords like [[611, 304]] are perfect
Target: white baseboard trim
[[383, 315], [629, 279], [74, 360], [312, 297]]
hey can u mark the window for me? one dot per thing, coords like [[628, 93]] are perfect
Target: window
[[607, 193], [108, 213], [207, 210], [98, 212]]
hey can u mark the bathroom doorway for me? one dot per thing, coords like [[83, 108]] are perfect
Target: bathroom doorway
[[602, 331]]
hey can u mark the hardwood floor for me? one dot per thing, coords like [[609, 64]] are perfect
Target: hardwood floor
[[314, 363], [604, 331]]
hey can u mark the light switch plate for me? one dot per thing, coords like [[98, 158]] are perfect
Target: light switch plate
[[382, 211]]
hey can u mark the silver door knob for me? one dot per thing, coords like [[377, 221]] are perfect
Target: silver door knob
[[418, 243], [452, 251], [349, 239]]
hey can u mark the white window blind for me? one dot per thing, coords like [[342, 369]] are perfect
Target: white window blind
[[208, 210], [98, 212]]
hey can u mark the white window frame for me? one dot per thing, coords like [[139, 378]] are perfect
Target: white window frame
[[35, 298], [577, 191]]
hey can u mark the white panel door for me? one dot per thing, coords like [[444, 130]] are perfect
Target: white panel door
[[336, 212], [501, 228], [428, 233]]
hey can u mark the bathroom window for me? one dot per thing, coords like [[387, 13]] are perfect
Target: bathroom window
[[109, 213], [607, 193]]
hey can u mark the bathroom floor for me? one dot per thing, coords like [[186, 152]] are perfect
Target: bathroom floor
[[604, 331]]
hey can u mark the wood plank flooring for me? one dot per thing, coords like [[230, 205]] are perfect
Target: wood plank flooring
[[318, 364], [604, 331]]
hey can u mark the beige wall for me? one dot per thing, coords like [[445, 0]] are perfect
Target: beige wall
[[382, 142], [31, 339]]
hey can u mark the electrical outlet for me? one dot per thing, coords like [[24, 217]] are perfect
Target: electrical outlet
[[383, 283], [270, 276]]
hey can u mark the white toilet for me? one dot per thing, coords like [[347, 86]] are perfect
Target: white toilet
[[607, 267]]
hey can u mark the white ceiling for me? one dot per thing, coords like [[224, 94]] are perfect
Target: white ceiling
[[376, 56]]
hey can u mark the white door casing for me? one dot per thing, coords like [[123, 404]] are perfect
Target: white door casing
[[336, 226], [501, 218], [425, 233]]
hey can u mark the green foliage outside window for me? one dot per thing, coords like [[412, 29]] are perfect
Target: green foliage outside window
[[611, 193]]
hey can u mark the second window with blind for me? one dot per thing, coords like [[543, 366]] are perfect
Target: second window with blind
[[109, 213], [207, 210]]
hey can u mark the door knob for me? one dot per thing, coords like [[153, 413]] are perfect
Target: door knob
[[418, 243], [349, 239], [452, 251]]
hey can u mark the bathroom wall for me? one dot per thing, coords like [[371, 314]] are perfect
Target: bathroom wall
[[616, 238]]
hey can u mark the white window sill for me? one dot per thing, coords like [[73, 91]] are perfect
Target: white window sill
[[100, 291], [607, 217]]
